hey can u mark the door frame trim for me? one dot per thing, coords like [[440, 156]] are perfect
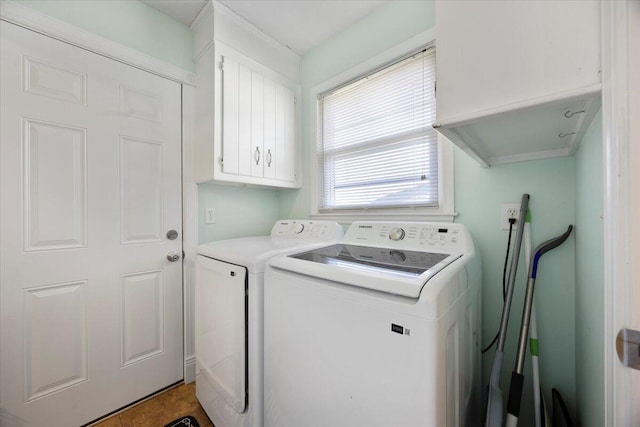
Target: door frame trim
[[189, 228], [39, 22], [616, 119]]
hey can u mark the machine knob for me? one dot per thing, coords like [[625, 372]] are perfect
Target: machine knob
[[298, 228], [397, 256], [396, 234]]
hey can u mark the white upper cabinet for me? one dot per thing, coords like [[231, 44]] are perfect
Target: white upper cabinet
[[517, 80], [247, 119], [258, 124]]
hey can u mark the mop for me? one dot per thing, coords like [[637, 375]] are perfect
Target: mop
[[517, 379], [494, 399]]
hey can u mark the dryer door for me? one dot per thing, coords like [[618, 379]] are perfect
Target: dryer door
[[221, 328]]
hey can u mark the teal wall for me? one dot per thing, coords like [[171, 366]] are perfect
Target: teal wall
[[590, 278], [479, 193], [130, 23], [240, 211]]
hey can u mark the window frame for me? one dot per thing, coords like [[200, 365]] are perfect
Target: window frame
[[445, 209]]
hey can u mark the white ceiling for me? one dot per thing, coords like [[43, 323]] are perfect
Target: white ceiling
[[298, 24]]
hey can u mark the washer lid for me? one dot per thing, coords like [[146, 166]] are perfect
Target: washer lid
[[395, 271], [381, 260], [287, 236]]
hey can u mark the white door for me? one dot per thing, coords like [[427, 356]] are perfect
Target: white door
[[621, 107], [627, 314], [91, 184]]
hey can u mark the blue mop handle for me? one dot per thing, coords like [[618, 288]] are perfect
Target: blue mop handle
[[517, 379], [546, 247]]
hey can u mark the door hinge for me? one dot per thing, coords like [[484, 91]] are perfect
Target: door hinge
[[221, 161], [221, 65]]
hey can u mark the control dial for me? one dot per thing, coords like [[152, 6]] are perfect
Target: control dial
[[397, 256], [396, 234], [297, 228]]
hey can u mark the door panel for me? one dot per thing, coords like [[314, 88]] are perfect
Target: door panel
[[141, 190], [142, 319], [285, 134], [246, 152], [55, 353], [269, 128], [91, 182], [231, 117], [54, 82], [54, 186], [257, 124]]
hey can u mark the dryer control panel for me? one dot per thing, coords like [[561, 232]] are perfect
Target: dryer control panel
[[307, 230], [425, 236]]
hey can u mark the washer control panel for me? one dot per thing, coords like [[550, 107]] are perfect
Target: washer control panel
[[407, 235], [307, 230]]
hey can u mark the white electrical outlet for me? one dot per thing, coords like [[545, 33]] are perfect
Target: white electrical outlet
[[210, 216], [509, 210]]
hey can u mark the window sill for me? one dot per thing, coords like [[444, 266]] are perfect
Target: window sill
[[348, 218]]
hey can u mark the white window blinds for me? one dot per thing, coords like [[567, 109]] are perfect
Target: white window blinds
[[376, 145]]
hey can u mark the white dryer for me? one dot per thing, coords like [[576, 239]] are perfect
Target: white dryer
[[229, 313], [382, 329]]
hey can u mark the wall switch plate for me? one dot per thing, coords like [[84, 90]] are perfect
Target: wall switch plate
[[210, 216], [509, 210]]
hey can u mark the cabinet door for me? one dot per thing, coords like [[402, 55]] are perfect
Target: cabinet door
[[245, 120], [257, 125], [285, 134], [531, 51], [269, 128], [230, 116]]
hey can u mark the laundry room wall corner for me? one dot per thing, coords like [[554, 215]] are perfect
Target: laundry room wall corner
[[590, 278], [479, 195]]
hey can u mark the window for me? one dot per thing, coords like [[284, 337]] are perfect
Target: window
[[376, 147]]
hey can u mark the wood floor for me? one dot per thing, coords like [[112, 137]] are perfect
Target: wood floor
[[161, 410]]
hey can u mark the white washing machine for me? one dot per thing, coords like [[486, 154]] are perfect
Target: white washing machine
[[228, 317], [382, 329]]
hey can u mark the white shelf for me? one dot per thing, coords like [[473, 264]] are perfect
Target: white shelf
[[540, 128]]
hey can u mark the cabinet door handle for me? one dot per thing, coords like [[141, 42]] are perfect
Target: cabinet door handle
[[257, 155], [269, 158]]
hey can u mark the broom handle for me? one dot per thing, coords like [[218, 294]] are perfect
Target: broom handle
[[533, 332]]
